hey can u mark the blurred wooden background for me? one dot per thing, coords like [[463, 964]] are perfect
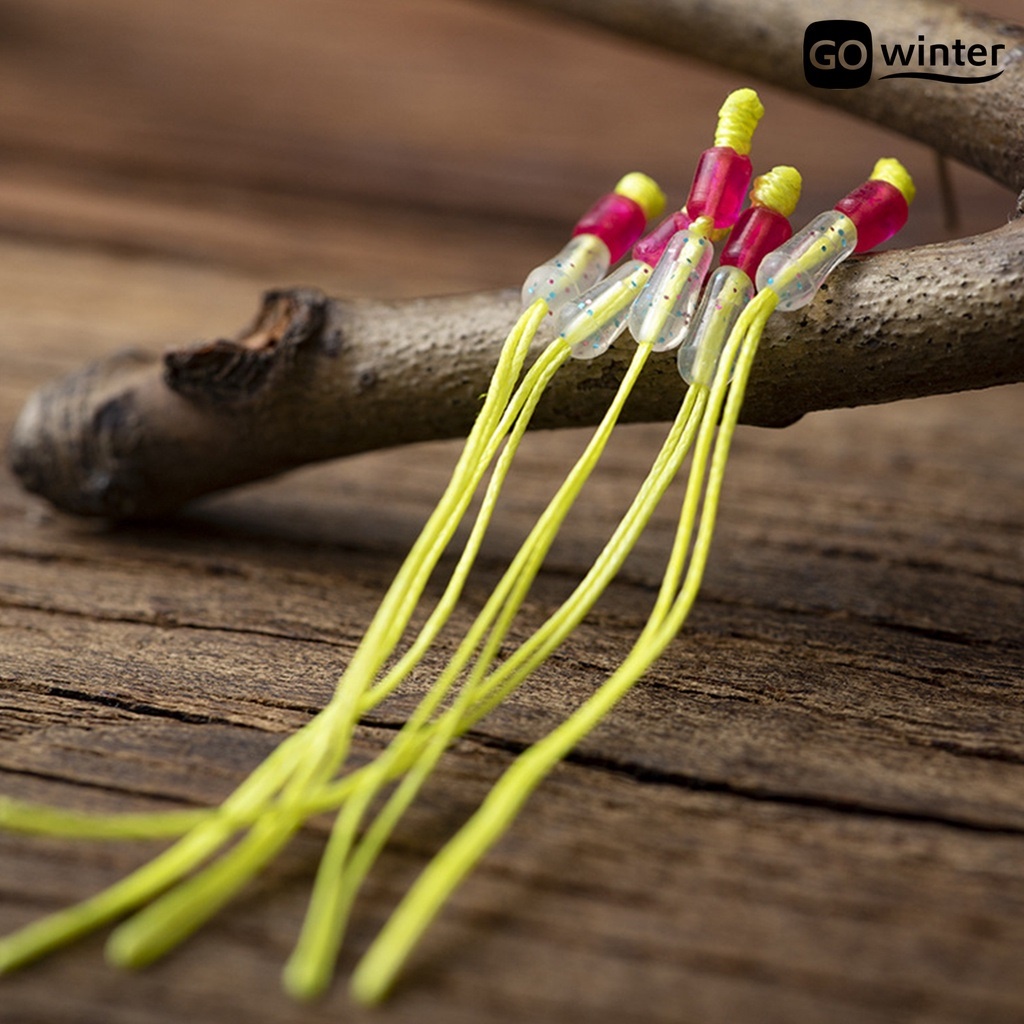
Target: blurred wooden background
[[812, 809]]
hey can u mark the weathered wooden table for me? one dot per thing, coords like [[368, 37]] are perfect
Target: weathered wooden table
[[812, 809]]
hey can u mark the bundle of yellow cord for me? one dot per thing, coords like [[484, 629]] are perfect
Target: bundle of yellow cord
[[304, 761], [301, 777], [698, 418], [872, 212], [296, 780], [344, 865], [377, 970]]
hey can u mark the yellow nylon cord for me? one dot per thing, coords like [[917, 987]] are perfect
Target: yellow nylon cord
[[378, 968], [222, 849], [309, 969], [284, 764], [165, 922]]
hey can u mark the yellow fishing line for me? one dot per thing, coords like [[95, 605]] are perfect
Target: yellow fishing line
[[242, 807], [32, 818], [309, 968], [170, 918], [39, 819], [42, 820], [298, 778], [308, 971], [377, 969], [261, 786], [418, 746]]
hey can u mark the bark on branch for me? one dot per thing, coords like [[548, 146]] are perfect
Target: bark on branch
[[315, 378], [978, 125]]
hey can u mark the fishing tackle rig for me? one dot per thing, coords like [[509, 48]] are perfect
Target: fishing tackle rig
[[668, 298]]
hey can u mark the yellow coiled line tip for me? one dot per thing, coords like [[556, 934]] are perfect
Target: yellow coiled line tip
[[737, 120], [644, 191], [891, 170], [778, 189]]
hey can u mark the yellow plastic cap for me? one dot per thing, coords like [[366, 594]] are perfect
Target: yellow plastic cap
[[891, 170], [644, 191]]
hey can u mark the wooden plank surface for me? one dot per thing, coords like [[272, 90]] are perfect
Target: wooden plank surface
[[811, 809]]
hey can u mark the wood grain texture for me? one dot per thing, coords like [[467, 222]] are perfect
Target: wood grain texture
[[811, 809]]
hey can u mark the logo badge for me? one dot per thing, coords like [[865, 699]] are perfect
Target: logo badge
[[837, 54]]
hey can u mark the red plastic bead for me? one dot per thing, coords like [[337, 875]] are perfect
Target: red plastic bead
[[652, 245], [617, 220], [719, 186], [759, 230], [878, 209]]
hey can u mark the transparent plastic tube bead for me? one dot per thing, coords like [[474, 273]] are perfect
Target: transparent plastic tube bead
[[761, 228], [601, 236], [796, 270], [663, 310], [596, 319], [592, 323], [725, 298], [581, 263], [871, 214]]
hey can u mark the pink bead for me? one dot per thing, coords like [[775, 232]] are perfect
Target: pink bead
[[878, 209], [616, 220], [759, 230], [719, 186], [651, 246]]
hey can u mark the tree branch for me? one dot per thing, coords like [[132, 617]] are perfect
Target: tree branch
[[979, 126], [315, 378]]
